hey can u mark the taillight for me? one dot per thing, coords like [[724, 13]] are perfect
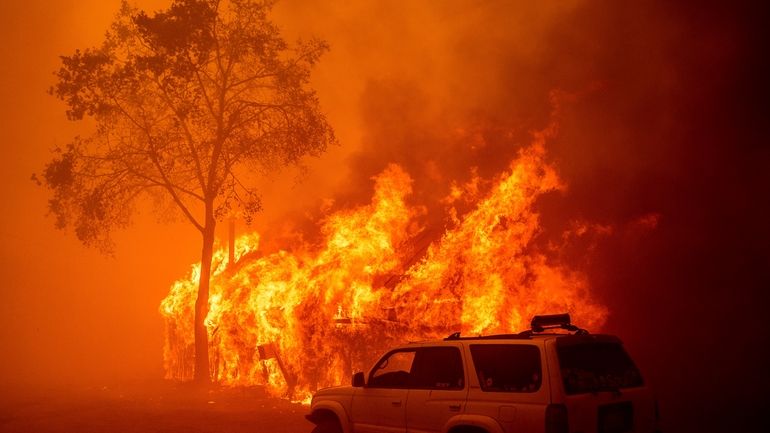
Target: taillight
[[556, 419]]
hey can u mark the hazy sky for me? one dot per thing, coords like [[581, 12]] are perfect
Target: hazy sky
[[70, 312], [667, 116]]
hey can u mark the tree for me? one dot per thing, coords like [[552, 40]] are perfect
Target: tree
[[188, 103]]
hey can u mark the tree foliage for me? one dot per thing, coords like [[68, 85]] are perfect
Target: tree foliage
[[187, 103]]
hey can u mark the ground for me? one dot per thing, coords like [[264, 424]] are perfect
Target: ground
[[163, 407]]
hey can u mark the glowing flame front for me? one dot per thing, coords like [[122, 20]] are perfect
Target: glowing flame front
[[298, 321]]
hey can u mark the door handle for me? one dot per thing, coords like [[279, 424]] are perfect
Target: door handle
[[454, 407], [396, 403]]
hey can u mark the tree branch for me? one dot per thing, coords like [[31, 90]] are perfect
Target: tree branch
[[174, 195]]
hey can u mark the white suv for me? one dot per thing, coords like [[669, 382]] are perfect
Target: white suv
[[535, 381]]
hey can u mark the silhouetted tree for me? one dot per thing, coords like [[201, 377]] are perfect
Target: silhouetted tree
[[188, 104]]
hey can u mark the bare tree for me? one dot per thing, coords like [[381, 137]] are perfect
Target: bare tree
[[188, 103]]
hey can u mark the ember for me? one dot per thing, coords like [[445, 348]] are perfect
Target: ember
[[307, 316]]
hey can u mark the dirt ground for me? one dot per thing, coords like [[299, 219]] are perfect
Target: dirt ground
[[162, 407]]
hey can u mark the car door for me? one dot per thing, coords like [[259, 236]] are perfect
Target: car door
[[438, 390], [380, 406]]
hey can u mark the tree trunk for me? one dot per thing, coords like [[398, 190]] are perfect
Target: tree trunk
[[202, 370], [231, 242]]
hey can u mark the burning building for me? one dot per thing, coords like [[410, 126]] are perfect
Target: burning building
[[309, 314]]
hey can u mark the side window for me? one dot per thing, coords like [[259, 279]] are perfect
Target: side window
[[507, 367], [438, 368], [393, 370]]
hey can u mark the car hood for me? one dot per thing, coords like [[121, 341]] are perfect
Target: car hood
[[334, 390]]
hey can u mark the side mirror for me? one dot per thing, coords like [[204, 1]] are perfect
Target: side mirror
[[358, 380]]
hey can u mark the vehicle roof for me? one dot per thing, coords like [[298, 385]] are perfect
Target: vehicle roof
[[518, 338]]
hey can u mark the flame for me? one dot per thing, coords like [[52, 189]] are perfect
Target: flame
[[300, 319]]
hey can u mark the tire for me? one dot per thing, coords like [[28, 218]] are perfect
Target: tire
[[328, 426]]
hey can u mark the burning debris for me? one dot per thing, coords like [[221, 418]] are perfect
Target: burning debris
[[306, 317]]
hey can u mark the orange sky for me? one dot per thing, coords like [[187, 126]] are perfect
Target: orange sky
[[70, 313], [61, 300], [669, 119]]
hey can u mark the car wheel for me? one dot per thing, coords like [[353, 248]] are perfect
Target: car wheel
[[328, 426]]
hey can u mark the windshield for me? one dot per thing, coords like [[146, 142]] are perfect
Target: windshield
[[591, 366]]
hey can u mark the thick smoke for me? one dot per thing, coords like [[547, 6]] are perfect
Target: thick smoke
[[662, 146], [448, 91], [662, 143]]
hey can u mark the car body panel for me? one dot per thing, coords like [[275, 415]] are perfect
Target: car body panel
[[379, 410], [428, 410]]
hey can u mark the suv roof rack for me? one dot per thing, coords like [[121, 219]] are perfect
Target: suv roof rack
[[539, 324], [518, 336], [554, 321]]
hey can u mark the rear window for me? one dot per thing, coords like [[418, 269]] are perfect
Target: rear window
[[507, 367], [592, 366]]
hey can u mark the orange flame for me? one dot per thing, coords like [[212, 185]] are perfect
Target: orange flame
[[297, 321]]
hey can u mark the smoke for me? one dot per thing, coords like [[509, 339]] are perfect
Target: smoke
[[446, 90], [453, 90], [661, 121], [665, 115]]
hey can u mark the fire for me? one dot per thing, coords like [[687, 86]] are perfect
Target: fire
[[307, 317]]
